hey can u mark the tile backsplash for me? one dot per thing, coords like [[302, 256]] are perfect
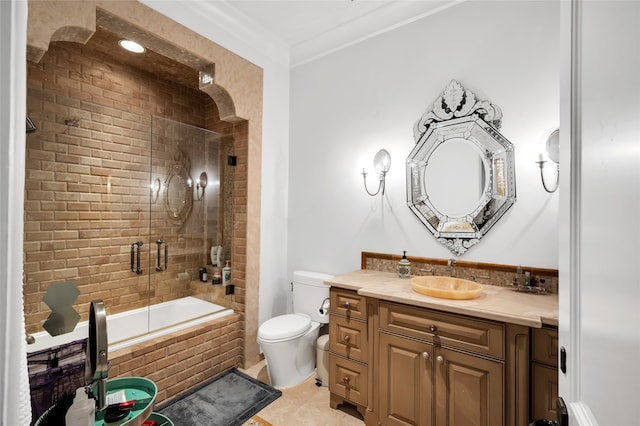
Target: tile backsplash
[[483, 273]]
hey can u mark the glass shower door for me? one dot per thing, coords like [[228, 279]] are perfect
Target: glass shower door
[[185, 232]]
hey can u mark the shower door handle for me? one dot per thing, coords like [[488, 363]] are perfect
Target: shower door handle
[[166, 256], [135, 266]]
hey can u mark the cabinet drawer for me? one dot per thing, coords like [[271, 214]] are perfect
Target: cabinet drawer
[[348, 338], [545, 345], [347, 303], [476, 335], [348, 379]]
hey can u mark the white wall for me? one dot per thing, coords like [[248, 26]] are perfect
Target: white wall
[[218, 23], [346, 106], [599, 315]]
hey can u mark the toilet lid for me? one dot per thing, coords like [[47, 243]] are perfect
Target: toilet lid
[[284, 326]]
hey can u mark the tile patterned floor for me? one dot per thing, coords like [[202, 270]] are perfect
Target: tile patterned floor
[[305, 404]]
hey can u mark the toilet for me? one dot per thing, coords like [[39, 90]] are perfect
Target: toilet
[[289, 341]]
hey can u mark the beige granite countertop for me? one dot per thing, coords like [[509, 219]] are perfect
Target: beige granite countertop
[[495, 303]]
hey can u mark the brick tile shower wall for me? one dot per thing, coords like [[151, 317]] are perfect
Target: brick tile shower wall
[[234, 199], [87, 183]]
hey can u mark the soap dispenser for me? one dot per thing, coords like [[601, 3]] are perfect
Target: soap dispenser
[[404, 266]]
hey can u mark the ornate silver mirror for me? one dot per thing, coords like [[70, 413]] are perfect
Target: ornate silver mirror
[[178, 191], [461, 172]]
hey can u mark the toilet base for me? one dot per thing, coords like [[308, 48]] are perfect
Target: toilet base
[[301, 380], [291, 362]]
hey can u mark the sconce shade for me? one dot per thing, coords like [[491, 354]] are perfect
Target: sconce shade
[[553, 146], [381, 164], [155, 190], [201, 184], [202, 180], [382, 161]]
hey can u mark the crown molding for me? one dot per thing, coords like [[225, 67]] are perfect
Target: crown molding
[[379, 21], [232, 29], [226, 26]]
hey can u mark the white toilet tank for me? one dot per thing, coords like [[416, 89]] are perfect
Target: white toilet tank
[[309, 293]]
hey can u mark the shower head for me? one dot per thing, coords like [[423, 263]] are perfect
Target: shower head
[[31, 127]]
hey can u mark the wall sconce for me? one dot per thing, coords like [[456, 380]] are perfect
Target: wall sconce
[[201, 184], [552, 148], [155, 190], [381, 164]]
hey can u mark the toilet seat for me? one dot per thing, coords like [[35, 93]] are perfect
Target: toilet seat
[[284, 327]]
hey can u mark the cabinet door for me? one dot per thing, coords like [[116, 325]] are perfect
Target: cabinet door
[[544, 392], [406, 381], [469, 390]]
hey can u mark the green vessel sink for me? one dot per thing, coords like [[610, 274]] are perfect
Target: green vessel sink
[[142, 390]]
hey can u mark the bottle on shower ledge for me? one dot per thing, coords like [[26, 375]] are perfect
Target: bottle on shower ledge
[[217, 276], [226, 274], [203, 274]]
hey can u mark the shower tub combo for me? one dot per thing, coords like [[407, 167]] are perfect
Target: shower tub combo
[[187, 341]]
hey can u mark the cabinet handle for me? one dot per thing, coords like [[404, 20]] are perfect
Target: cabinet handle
[[425, 355], [433, 328], [347, 305], [440, 359], [346, 380], [346, 338]]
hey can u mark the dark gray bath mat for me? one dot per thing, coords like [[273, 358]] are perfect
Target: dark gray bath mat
[[229, 399]]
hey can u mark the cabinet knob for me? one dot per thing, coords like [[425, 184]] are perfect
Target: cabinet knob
[[433, 328], [346, 380], [440, 359], [346, 305], [346, 338], [425, 355]]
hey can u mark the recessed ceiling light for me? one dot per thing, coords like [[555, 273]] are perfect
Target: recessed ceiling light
[[131, 46]]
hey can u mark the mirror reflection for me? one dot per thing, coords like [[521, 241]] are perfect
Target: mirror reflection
[[178, 193], [453, 193], [461, 172]]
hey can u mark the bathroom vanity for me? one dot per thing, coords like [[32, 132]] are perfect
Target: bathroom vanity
[[403, 358]]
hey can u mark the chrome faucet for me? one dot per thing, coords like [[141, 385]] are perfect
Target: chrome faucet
[[451, 265], [475, 277], [97, 364], [432, 271]]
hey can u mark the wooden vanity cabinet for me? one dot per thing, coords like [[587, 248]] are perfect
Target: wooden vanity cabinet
[[348, 349], [439, 369], [405, 365], [544, 373]]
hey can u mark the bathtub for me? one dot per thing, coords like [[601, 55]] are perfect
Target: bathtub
[[139, 325]]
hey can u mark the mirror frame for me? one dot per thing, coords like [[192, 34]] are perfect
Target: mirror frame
[[180, 169], [456, 114]]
